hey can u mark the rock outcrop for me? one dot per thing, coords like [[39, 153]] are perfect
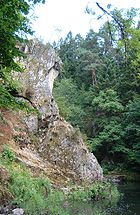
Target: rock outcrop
[[46, 142]]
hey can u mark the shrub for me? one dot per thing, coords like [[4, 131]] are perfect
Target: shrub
[[8, 154]]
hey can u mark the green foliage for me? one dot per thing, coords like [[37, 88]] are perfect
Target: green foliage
[[10, 102], [96, 191], [68, 97], [80, 194], [14, 25], [102, 96], [8, 154], [107, 109], [55, 203], [132, 133], [108, 102], [29, 192], [34, 194], [37, 196]]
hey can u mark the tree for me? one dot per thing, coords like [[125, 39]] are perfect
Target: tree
[[68, 98], [68, 50], [104, 68], [14, 25], [132, 133], [107, 128]]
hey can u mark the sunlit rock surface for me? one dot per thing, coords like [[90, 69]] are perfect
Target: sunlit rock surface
[[45, 141]]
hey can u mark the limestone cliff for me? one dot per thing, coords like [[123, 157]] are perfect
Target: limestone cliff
[[44, 141]]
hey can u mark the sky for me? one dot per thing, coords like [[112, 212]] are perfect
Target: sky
[[57, 17]]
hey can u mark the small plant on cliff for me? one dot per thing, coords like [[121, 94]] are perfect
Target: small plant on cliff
[[8, 154], [96, 191]]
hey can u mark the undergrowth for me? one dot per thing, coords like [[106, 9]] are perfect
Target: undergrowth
[[37, 196], [34, 194], [97, 191], [8, 101]]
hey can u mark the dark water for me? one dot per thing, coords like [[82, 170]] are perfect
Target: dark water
[[127, 204]]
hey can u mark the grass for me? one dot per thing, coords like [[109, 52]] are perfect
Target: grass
[[37, 196], [97, 191], [34, 194]]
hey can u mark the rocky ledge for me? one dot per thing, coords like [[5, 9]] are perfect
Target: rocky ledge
[[42, 139]]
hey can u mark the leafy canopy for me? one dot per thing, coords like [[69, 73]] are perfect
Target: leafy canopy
[[99, 89], [14, 26]]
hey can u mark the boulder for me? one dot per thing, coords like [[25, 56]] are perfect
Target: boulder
[[18, 211]]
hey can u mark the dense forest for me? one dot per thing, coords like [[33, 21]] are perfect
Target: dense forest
[[97, 91], [99, 88]]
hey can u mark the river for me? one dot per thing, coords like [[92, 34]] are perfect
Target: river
[[128, 203]]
